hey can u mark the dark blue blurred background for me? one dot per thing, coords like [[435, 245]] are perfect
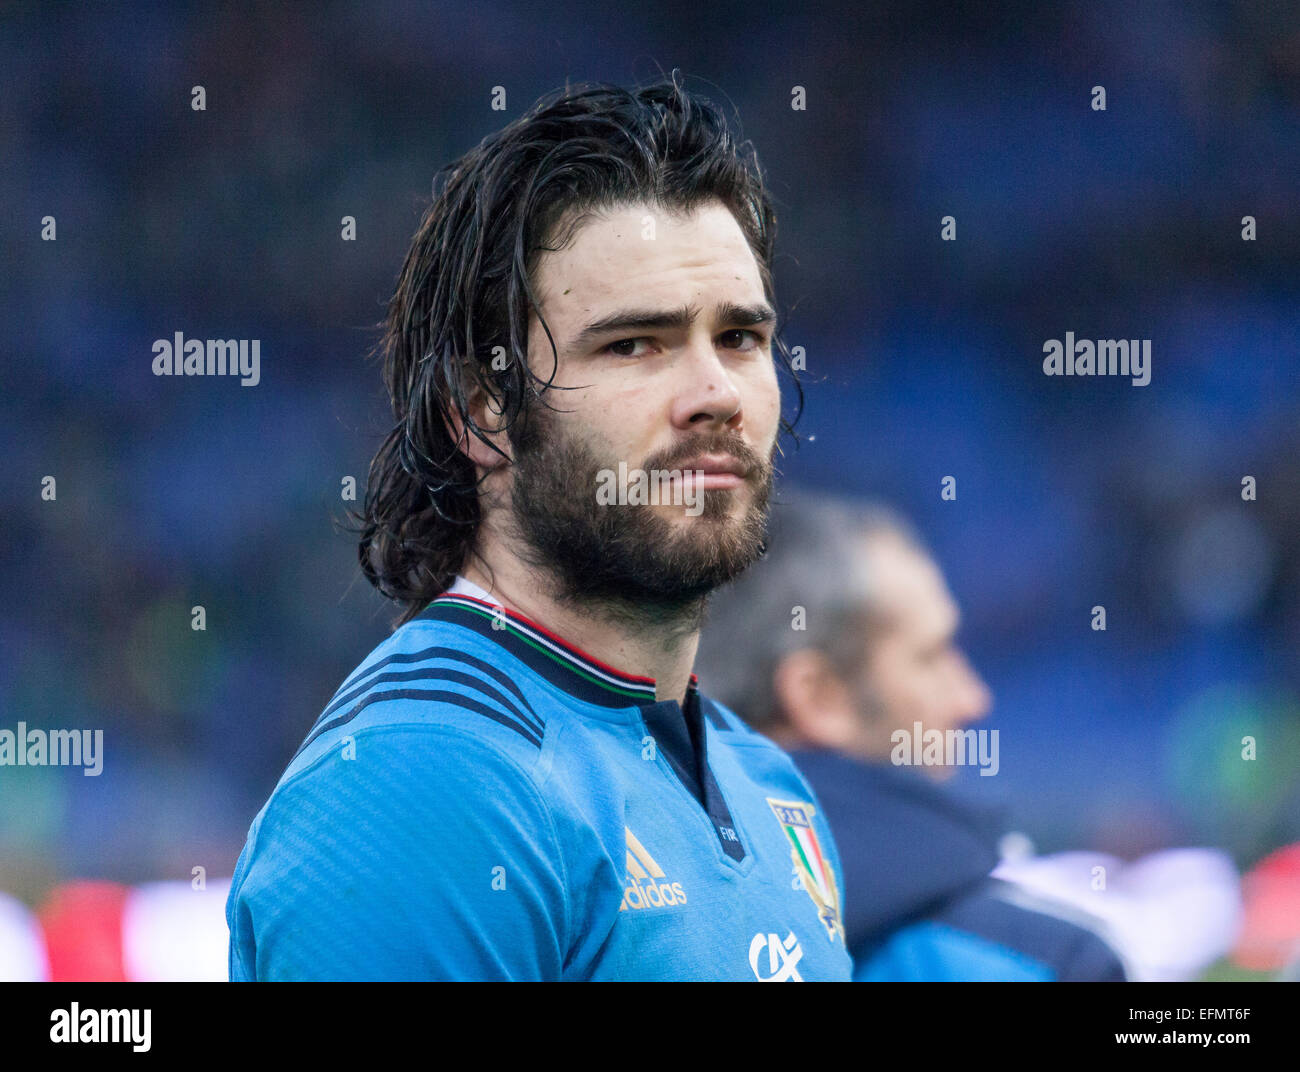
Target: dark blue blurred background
[[924, 358]]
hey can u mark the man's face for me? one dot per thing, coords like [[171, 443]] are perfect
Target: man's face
[[914, 671], [663, 334]]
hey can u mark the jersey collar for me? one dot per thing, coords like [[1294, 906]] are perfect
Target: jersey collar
[[563, 664]]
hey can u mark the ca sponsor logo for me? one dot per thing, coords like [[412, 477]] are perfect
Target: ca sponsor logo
[[781, 965], [647, 885]]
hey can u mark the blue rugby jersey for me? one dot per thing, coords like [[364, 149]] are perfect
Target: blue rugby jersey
[[482, 800]]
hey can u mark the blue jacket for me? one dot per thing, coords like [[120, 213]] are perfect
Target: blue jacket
[[919, 902]]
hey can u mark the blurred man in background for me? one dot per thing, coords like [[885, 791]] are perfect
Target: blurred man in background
[[840, 645]]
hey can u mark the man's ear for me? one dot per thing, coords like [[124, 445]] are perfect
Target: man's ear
[[486, 414], [814, 704]]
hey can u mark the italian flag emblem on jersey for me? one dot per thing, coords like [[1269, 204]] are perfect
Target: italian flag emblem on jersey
[[810, 863]]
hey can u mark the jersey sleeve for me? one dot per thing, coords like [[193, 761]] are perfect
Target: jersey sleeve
[[430, 855]]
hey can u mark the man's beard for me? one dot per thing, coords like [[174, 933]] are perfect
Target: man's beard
[[629, 560]]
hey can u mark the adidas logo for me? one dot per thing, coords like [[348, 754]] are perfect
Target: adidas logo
[[645, 888]]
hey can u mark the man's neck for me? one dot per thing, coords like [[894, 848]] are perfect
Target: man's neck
[[648, 648]]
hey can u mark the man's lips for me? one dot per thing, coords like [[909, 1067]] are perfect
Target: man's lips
[[713, 471]]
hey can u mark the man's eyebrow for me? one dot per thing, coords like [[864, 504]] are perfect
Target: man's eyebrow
[[672, 320]]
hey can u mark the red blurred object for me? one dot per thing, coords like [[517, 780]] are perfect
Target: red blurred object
[[1270, 933], [83, 932]]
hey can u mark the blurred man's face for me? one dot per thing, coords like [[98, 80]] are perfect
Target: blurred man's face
[[664, 344], [914, 671]]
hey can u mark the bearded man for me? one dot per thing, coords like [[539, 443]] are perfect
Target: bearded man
[[525, 781]]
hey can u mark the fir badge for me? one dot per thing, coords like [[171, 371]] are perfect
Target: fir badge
[[810, 862]]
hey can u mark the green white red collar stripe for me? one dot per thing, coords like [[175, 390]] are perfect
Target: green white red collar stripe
[[563, 663]]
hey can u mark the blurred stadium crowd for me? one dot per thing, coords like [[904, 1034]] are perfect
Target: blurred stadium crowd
[[924, 360]]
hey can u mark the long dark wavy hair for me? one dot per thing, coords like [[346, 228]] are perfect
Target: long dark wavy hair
[[460, 313]]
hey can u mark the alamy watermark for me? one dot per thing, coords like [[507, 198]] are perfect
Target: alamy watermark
[[945, 748], [1105, 357], [53, 748], [180, 356], [75, 1024], [657, 487]]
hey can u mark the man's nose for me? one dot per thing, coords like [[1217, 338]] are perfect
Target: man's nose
[[708, 394], [974, 700]]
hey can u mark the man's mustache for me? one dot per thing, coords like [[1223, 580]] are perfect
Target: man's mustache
[[728, 446]]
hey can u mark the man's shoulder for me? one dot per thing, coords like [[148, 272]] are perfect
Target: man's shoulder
[[433, 730], [995, 931], [762, 760], [1077, 944], [431, 676], [760, 757], [443, 800], [735, 730]]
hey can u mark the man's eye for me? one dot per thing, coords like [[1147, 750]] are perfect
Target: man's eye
[[756, 340], [620, 348]]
